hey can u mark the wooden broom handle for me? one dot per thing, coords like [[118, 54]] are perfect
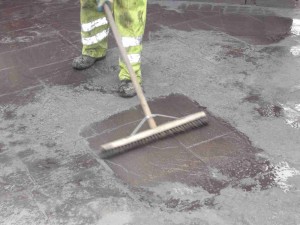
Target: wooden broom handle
[[125, 58]]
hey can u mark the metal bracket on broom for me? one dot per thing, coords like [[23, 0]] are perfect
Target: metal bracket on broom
[[138, 127]]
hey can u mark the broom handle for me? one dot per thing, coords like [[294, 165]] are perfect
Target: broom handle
[[134, 80]]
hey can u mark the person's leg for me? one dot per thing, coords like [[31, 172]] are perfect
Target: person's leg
[[94, 32], [130, 17]]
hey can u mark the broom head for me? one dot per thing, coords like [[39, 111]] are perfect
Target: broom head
[[167, 129]]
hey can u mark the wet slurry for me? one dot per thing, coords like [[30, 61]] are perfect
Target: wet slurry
[[211, 157], [238, 62]]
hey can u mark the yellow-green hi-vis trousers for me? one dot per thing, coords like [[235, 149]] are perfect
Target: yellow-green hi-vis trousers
[[130, 18]]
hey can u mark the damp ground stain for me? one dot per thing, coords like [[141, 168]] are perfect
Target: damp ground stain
[[212, 157]]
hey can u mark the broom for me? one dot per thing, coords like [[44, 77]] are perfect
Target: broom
[[155, 132]]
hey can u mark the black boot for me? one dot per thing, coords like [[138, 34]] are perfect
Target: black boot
[[84, 61], [126, 89]]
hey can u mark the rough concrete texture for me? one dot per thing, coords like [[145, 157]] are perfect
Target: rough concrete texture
[[50, 175]]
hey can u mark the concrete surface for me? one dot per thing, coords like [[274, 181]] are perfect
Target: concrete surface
[[212, 157], [240, 62]]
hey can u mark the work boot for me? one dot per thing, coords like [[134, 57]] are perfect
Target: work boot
[[126, 89], [84, 61]]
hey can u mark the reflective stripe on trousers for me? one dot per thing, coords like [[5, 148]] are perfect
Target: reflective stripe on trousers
[[130, 18]]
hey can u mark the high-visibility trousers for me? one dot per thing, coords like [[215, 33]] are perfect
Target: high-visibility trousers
[[130, 18]]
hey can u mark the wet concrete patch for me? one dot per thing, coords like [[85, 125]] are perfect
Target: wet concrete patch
[[264, 108], [14, 40], [21, 97], [13, 175], [9, 114], [212, 157], [62, 181], [2, 147], [255, 29], [16, 79], [291, 112], [20, 207], [279, 4], [270, 111], [20, 12]]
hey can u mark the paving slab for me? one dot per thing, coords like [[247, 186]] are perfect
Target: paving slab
[[185, 158]]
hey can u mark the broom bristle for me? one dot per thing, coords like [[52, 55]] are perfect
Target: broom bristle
[[145, 137]]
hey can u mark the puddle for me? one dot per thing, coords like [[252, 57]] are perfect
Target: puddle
[[210, 158]]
